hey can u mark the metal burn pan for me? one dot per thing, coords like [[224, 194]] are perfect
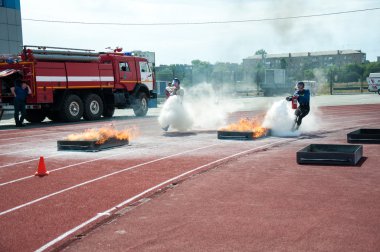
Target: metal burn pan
[[364, 136], [330, 154], [90, 145], [238, 135]]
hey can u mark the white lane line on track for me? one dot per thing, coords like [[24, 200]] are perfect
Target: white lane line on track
[[99, 178], [13, 152], [84, 162], [82, 126], [29, 160], [350, 121], [23, 137], [67, 166], [71, 131], [108, 212]]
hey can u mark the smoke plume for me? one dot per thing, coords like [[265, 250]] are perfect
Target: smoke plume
[[203, 107], [280, 119]]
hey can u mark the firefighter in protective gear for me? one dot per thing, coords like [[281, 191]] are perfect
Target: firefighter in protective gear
[[177, 88], [174, 104], [303, 97]]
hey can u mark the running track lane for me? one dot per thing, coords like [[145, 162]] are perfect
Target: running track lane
[[64, 216], [331, 120]]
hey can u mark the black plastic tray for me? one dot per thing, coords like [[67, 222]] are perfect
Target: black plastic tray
[[90, 145], [238, 135], [330, 154], [235, 135], [364, 136]]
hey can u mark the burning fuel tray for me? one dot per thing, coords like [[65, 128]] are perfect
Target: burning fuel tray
[[237, 135], [90, 145], [364, 136], [331, 154]]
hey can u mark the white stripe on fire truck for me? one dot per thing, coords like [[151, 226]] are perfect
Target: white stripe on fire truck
[[73, 78], [50, 78]]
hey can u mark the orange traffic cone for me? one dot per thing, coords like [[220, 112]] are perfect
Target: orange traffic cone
[[41, 170]]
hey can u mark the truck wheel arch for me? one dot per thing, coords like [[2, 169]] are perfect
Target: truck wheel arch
[[140, 88]]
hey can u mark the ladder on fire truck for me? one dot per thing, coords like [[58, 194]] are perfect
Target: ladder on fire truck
[[51, 53]]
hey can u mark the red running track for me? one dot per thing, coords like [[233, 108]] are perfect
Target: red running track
[[84, 189]]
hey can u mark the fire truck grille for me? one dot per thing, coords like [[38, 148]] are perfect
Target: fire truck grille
[[90, 146]]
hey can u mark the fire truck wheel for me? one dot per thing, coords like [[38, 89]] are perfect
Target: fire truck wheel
[[108, 111], [93, 107], [72, 109], [141, 105], [35, 116]]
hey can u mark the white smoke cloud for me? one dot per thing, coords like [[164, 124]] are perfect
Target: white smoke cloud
[[204, 107], [176, 114], [280, 119]]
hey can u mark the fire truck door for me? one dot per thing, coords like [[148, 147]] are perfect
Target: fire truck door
[[146, 74], [124, 71]]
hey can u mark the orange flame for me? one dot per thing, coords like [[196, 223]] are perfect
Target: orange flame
[[101, 135], [247, 125]]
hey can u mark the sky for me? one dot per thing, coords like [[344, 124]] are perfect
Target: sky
[[226, 42]]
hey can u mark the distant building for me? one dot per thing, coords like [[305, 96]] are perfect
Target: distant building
[[311, 59], [378, 58], [294, 63], [10, 27], [150, 56]]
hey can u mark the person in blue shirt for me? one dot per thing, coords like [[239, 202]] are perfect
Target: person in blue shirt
[[20, 91], [303, 98]]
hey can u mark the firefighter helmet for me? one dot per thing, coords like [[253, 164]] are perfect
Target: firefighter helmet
[[176, 81]]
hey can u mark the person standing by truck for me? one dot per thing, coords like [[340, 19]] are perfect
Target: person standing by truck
[[20, 91], [303, 97]]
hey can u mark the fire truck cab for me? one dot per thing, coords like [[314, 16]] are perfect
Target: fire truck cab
[[68, 84]]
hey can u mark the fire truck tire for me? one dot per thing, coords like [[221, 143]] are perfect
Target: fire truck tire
[[93, 107], [141, 104], [35, 116], [72, 109], [108, 111]]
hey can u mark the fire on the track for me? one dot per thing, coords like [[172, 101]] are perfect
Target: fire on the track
[[98, 139], [245, 129]]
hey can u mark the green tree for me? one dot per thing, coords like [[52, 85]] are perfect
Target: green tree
[[163, 73], [259, 75], [201, 71], [283, 63], [371, 67], [261, 52], [308, 74]]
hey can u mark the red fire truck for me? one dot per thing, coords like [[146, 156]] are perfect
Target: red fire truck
[[68, 84]]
